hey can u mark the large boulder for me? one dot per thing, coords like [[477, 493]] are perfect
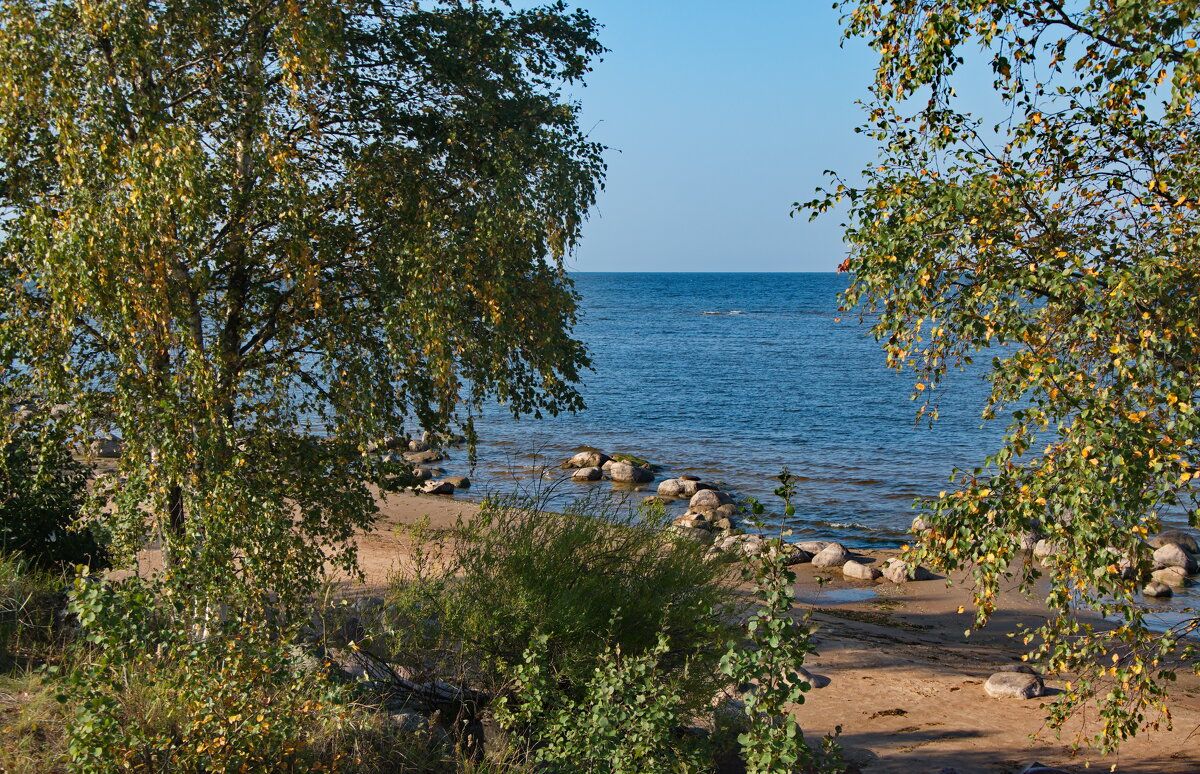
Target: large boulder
[[107, 448], [416, 445], [587, 474], [1172, 576], [438, 487], [1014, 685], [813, 546], [749, 545], [624, 473], [793, 555], [587, 459], [1175, 536], [859, 571], [1174, 555], [899, 571], [424, 457], [459, 482], [693, 520], [709, 500], [1044, 548], [833, 555], [697, 534], [678, 487], [1157, 589]]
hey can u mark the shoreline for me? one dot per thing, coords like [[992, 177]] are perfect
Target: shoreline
[[906, 685], [905, 681]]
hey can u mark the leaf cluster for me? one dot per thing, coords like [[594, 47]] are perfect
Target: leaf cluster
[[1056, 239]]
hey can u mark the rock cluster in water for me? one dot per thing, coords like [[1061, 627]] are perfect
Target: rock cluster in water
[[591, 465], [422, 455]]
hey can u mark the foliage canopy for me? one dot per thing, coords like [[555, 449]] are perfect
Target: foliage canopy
[[222, 223], [1062, 241]]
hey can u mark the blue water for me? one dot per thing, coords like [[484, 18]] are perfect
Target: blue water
[[731, 377]]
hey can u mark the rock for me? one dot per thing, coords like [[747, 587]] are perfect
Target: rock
[[1172, 576], [709, 500], [1174, 555], [1175, 536], [438, 487], [459, 482], [1157, 589], [689, 477], [920, 524], [1024, 669], [422, 473], [692, 533], [624, 473], [724, 522], [1028, 541], [417, 446], [107, 448], [587, 459], [678, 487], [1044, 548], [587, 474], [693, 520], [654, 500], [832, 555], [1014, 685], [424, 457], [815, 680], [795, 555], [897, 571], [1038, 768], [859, 571], [750, 545], [670, 487], [813, 546], [391, 443], [728, 510]]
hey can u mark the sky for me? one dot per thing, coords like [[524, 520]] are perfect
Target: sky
[[718, 117]]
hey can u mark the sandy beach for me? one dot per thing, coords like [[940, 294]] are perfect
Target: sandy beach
[[906, 685]]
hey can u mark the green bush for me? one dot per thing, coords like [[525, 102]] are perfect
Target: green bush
[[152, 695], [42, 489], [595, 577], [627, 722]]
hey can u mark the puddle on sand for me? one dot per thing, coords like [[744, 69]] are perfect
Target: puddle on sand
[[836, 596]]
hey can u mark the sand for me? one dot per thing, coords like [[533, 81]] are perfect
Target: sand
[[906, 684]]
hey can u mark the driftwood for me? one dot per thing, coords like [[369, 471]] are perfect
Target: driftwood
[[457, 710]]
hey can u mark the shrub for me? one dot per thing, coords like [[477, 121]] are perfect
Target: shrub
[[770, 658], [598, 576], [627, 721], [155, 696], [42, 489]]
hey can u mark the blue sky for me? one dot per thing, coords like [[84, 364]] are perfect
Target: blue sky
[[720, 116]]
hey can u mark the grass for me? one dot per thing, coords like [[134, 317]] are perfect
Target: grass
[[32, 721]]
